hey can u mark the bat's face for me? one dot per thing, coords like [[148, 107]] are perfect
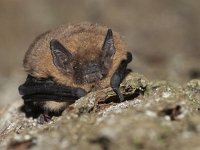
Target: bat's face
[[82, 68], [88, 71]]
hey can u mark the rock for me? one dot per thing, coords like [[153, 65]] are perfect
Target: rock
[[156, 115]]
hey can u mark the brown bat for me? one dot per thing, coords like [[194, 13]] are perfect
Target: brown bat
[[68, 62]]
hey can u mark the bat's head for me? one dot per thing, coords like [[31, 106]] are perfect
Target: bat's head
[[84, 67]]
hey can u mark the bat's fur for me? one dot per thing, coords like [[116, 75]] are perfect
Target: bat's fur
[[84, 41]]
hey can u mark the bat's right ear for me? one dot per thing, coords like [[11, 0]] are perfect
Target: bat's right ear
[[61, 56], [108, 49]]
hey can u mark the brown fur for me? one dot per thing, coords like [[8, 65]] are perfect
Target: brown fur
[[55, 106], [85, 40]]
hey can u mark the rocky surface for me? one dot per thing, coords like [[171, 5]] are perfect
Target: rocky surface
[[156, 115]]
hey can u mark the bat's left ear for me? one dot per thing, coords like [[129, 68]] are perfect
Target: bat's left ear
[[108, 49], [61, 56]]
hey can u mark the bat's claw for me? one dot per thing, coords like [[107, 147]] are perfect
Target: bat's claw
[[43, 118]]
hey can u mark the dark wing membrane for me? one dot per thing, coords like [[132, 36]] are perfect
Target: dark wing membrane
[[37, 90], [119, 75]]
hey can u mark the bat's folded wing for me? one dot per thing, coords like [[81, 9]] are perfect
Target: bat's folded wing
[[43, 90]]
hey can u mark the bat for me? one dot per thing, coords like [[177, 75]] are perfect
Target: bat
[[66, 63]]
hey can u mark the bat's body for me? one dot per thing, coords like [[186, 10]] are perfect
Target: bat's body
[[66, 63]]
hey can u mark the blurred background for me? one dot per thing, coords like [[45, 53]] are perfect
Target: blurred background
[[164, 36]]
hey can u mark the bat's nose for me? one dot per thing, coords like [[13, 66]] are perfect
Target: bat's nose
[[92, 77]]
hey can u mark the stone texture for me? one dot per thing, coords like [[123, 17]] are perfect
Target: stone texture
[[157, 115]]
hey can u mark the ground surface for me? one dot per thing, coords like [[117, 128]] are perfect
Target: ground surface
[[157, 115]]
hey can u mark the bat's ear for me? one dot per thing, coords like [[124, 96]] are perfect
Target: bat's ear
[[108, 49], [61, 56]]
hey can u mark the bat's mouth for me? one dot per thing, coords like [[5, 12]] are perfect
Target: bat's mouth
[[46, 90]]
